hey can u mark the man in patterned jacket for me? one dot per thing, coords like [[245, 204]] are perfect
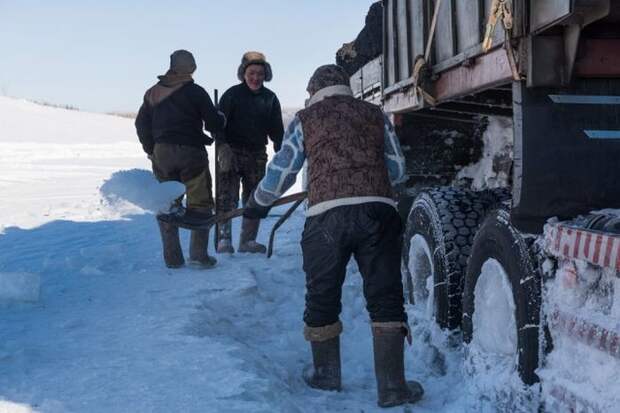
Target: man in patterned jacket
[[354, 159]]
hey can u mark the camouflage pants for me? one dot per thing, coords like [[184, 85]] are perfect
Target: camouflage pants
[[189, 165], [248, 170]]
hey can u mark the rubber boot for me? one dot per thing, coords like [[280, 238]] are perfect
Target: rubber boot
[[324, 373], [224, 243], [173, 254], [389, 350], [198, 244], [247, 241]]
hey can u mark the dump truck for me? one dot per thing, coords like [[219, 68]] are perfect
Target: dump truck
[[522, 256]]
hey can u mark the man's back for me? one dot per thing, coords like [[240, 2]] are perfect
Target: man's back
[[175, 111], [176, 114], [344, 143]]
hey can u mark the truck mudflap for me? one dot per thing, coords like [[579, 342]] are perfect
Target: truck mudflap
[[567, 146], [582, 307]]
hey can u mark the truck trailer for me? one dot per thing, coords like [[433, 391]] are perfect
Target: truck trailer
[[524, 257]]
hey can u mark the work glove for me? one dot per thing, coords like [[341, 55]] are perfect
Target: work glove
[[253, 210], [226, 158]]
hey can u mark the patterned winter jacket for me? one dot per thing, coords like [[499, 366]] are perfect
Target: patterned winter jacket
[[354, 155]]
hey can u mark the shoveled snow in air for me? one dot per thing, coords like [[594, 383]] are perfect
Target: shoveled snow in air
[[140, 188], [91, 320]]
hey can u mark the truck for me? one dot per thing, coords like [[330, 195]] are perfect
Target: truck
[[508, 113]]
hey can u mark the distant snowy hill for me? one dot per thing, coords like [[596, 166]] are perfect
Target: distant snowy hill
[[24, 121]]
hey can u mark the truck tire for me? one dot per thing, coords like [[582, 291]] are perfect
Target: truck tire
[[502, 294], [437, 242]]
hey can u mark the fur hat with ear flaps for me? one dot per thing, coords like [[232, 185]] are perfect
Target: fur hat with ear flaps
[[254, 58], [326, 76]]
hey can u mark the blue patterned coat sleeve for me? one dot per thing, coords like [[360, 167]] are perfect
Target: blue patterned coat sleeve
[[394, 158], [283, 168]]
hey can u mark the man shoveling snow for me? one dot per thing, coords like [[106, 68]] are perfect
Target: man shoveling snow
[[170, 127], [354, 158]]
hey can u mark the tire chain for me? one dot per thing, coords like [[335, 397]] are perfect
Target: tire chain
[[461, 213]]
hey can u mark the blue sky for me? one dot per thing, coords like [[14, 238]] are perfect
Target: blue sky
[[101, 55]]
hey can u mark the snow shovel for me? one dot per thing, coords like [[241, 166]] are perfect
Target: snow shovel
[[280, 222], [177, 219]]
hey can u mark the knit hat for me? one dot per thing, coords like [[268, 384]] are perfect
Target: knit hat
[[326, 76], [182, 62], [254, 58]]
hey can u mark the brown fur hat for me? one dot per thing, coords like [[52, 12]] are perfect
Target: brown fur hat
[[325, 76], [254, 58]]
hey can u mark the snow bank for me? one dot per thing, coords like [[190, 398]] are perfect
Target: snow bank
[[54, 160], [493, 168], [19, 287], [10, 407], [139, 187]]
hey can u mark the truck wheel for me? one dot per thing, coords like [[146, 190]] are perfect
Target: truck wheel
[[438, 237], [501, 298]]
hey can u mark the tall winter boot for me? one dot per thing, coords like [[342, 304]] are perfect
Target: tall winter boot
[[324, 373], [173, 254], [198, 245], [388, 343], [247, 241], [224, 243]]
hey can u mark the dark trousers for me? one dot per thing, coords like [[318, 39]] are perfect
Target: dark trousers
[[189, 165], [371, 233], [248, 169]]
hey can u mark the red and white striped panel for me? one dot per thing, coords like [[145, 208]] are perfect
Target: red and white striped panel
[[567, 401], [586, 332], [594, 247]]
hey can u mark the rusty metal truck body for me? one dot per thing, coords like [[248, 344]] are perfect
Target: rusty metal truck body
[[552, 69]]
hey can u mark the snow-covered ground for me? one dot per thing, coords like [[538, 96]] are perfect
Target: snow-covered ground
[[92, 321], [493, 168]]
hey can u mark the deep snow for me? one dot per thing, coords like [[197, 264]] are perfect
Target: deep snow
[[92, 321]]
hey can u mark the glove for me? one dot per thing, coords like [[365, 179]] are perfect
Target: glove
[[226, 158], [254, 211]]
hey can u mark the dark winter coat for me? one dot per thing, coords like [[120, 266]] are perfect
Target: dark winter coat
[[175, 111], [251, 118]]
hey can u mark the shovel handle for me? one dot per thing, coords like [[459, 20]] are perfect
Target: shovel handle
[[225, 216], [279, 223]]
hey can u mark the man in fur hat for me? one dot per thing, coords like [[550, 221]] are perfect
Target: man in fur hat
[[170, 128], [354, 158], [253, 114]]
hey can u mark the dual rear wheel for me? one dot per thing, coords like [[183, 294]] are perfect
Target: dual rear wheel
[[472, 270]]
